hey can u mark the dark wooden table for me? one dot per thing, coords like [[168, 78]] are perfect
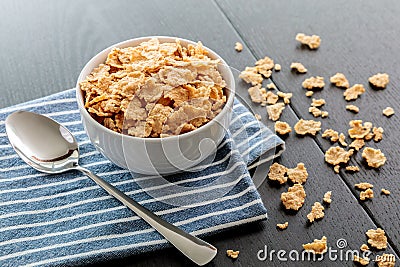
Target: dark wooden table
[[45, 44]]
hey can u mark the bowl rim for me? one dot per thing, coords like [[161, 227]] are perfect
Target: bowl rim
[[85, 113]]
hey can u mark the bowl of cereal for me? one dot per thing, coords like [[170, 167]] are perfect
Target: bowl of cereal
[[156, 105]]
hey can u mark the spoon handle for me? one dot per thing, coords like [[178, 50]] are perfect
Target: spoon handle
[[194, 248]]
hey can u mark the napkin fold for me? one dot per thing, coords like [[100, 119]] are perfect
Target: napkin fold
[[66, 219]]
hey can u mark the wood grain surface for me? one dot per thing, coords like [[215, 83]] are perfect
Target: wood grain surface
[[46, 43]]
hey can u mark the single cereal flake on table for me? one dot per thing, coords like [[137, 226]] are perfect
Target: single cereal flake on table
[[319, 246], [377, 238], [257, 116], [358, 129], [318, 102], [324, 114], [378, 133], [277, 172], [285, 96], [385, 260], [282, 127], [309, 93], [352, 168], [277, 67], [342, 139], [232, 254], [379, 80], [275, 111], [264, 66], [357, 144], [299, 174], [312, 83], [374, 157], [256, 94], [352, 108], [271, 98], [238, 47], [385, 191], [317, 212], [328, 197], [364, 247], [271, 86], [363, 186], [332, 134], [304, 127], [294, 198], [316, 112], [339, 80], [336, 155], [388, 111], [367, 194], [312, 41], [354, 92], [282, 226], [251, 75], [298, 67], [361, 261]]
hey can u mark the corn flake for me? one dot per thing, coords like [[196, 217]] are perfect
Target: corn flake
[[316, 112], [379, 80], [327, 197], [277, 173], [378, 132], [388, 111], [339, 80], [271, 98], [374, 157], [277, 67], [313, 83], [304, 127], [238, 47], [286, 97], [256, 94], [364, 247], [251, 75], [312, 41], [275, 111], [336, 155], [354, 92], [298, 67], [299, 174], [271, 86], [318, 102], [358, 130], [357, 144], [342, 140], [232, 254], [363, 186], [353, 168], [317, 212], [317, 247], [353, 108], [282, 226], [336, 169], [309, 93], [367, 194], [377, 238], [282, 127], [332, 134], [385, 191], [294, 198]]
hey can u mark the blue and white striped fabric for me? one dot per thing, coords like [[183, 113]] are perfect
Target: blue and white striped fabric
[[65, 219]]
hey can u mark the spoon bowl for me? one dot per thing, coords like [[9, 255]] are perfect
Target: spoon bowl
[[49, 147]]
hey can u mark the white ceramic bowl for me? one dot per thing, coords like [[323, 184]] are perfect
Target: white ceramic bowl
[[157, 155]]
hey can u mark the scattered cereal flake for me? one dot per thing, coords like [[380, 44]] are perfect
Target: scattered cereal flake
[[282, 226], [363, 186], [378, 132], [309, 93], [352, 168], [332, 134], [286, 97], [327, 197], [312, 83], [264, 66], [277, 173], [339, 80], [364, 247], [238, 47], [294, 198], [312, 41], [275, 111], [358, 130], [361, 261], [299, 174], [232, 254], [318, 102], [342, 139], [385, 260], [316, 112], [367, 194], [374, 157], [298, 67], [377, 238], [385, 191], [271, 98], [324, 114], [357, 144], [317, 247], [304, 127], [256, 94], [388, 111], [278, 67], [336, 155], [379, 80], [354, 92], [271, 86], [369, 136], [251, 75], [336, 169], [258, 116], [282, 127], [317, 212], [353, 108]]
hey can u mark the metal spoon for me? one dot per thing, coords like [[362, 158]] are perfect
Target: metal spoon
[[49, 147]]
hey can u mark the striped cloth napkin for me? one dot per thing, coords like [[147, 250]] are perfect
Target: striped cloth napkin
[[66, 219]]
